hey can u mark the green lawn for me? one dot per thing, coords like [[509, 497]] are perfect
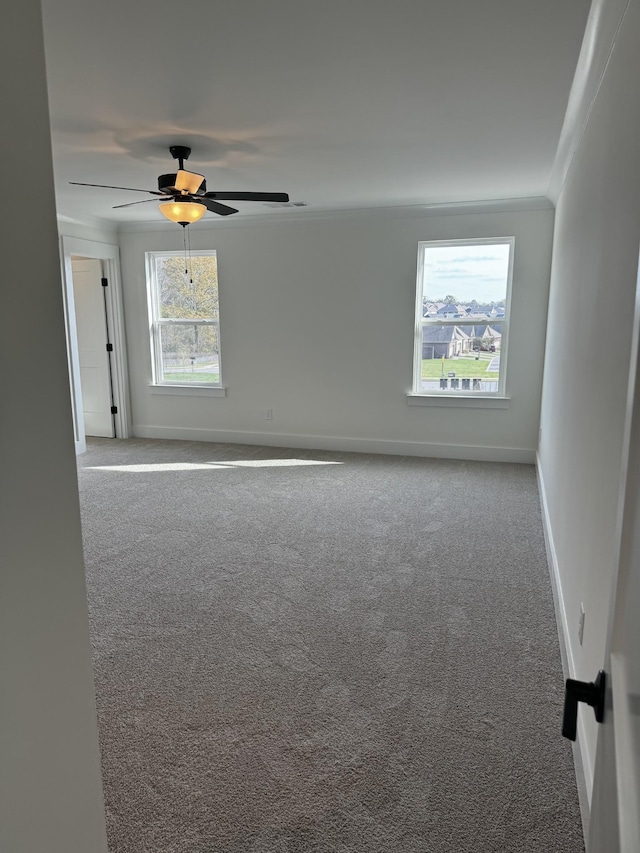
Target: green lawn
[[463, 367], [192, 376]]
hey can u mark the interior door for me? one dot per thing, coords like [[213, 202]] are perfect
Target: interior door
[[615, 809], [91, 327]]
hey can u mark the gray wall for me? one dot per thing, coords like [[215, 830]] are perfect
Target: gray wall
[[595, 260], [50, 787], [317, 318]]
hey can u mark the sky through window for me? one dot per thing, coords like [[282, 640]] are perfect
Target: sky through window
[[466, 272]]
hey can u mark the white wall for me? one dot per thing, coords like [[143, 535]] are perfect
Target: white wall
[[50, 787], [595, 258], [317, 317]]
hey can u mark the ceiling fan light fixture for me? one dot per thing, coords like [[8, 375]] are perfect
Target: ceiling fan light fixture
[[183, 212], [188, 181]]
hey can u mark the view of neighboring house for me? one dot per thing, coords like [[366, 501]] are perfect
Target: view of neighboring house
[[451, 310], [447, 341], [484, 336], [452, 340]]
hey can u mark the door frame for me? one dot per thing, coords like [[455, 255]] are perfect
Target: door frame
[[109, 255]]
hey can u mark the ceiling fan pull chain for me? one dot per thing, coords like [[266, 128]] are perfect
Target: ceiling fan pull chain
[[190, 264]]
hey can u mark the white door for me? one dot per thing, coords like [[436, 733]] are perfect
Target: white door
[[615, 809], [91, 328]]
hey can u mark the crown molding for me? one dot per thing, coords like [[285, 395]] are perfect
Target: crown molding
[[67, 217], [302, 215]]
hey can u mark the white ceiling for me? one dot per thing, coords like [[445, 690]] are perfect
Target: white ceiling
[[344, 104]]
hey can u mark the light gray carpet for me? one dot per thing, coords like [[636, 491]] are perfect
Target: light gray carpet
[[358, 656]]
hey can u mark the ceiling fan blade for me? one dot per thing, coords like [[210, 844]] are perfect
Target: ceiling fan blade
[[248, 196], [214, 207], [188, 181], [144, 201], [107, 187]]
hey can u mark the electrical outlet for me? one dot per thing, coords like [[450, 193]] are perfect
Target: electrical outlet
[[581, 624], [269, 415]]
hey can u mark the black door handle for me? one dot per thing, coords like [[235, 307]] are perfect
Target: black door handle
[[591, 692]]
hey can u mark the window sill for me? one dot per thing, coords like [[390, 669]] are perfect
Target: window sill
[[189, 390], [477, 401]]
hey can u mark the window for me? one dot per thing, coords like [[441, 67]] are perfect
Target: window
[[462, 317], [184, 319]]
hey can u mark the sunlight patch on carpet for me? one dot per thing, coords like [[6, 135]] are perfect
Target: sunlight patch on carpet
[[208, 466]]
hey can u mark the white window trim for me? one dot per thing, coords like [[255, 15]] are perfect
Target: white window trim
[[417, 396], [189, 390], [167, 386], [474, 400]]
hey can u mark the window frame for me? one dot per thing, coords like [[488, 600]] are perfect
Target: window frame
[[421, 322], [156, 322]]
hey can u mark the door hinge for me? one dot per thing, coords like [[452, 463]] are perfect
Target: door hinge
[[109, 347], [105, 282], [114, 410]]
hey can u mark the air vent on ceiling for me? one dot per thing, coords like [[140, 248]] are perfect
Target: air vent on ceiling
[[286, 204]]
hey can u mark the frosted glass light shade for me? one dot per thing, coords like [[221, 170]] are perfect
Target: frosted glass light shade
[[188, 182], [183, 212]]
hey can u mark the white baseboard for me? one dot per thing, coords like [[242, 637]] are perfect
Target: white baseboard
[[341, 443], [582, 763]]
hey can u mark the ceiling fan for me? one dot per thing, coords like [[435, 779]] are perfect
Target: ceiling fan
[[184, 194]]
